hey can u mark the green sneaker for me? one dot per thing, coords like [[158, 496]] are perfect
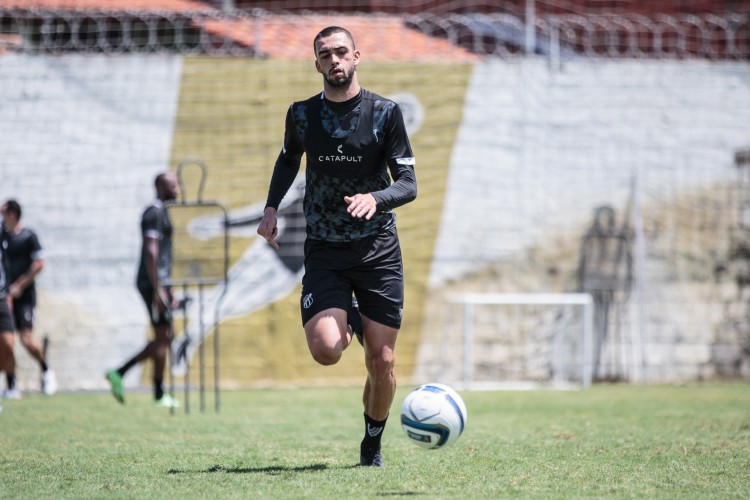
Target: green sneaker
[[167, 401], [115, 380]]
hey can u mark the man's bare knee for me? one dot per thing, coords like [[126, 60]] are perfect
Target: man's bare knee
[[380, 367], [325, 356], [27, 341], [325, 350]]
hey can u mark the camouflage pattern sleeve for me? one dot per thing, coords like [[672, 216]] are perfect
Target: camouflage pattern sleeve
[[287, 163]]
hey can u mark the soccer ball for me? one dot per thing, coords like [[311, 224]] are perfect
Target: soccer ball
[[433, 416]]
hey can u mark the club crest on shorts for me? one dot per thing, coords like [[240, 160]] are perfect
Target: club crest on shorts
[[307, 301]]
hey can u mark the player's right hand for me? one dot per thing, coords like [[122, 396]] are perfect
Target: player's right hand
[[161, 299], [268, 228]]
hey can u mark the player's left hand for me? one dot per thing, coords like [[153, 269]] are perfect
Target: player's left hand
[[361, 205], [268, 227]]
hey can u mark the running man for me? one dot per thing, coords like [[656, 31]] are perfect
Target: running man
[[155, 268], [352, 139], [25, 259]]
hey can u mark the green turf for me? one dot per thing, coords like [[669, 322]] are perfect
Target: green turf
[[609, 441]]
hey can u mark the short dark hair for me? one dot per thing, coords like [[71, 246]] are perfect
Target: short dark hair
[[330, 31], [159, 180], [13, 206]]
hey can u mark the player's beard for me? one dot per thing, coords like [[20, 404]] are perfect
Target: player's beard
[[340, 80]]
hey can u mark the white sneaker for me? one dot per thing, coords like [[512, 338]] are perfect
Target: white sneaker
[[49, 382], [11, 394], [167, 401]]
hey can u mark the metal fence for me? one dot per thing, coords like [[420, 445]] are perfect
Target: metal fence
[[211, 32], [644, 115]]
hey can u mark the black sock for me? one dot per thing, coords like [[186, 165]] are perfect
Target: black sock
[[11, 379], [127, 366], [373, 432], [158, 389], [44, 366]]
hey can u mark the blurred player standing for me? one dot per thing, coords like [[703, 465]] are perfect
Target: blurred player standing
[[6, 318], [25, 259], [154, 269], [352, 139]]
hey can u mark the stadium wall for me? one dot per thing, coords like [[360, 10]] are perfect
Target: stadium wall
[[513, 158]]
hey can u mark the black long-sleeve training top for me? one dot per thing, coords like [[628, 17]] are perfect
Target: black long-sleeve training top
[[350, 147]]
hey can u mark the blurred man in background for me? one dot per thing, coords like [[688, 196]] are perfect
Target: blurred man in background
[[6, 320], [25, 260], [154, 271]]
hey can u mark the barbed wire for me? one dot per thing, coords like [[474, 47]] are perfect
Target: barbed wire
[[212, 32], [632, 36]]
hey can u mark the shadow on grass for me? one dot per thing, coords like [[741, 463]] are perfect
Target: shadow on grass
[[399, 494], [275, 470], [272, 470]]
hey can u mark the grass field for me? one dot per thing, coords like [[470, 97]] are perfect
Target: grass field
[[608, 441]]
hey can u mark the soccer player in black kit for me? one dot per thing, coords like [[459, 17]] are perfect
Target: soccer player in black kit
[[352, 139], [154, 270], [25, 260], [6, 318]]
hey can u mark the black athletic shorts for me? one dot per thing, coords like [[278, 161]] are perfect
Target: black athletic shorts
[[23, 311], [157, 317], [371, 268], [6, 318]]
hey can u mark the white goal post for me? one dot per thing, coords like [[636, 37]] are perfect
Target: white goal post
[[586, 332]]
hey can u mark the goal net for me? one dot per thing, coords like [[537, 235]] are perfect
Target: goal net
[[516, 341]]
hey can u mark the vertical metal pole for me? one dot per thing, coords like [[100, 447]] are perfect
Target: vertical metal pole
[[588, 337], [186, 380], [217, 317], [468, 344], [530, 27], [640, 259], [202, 351], [554, 50], [217, 393], [170, 362]]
